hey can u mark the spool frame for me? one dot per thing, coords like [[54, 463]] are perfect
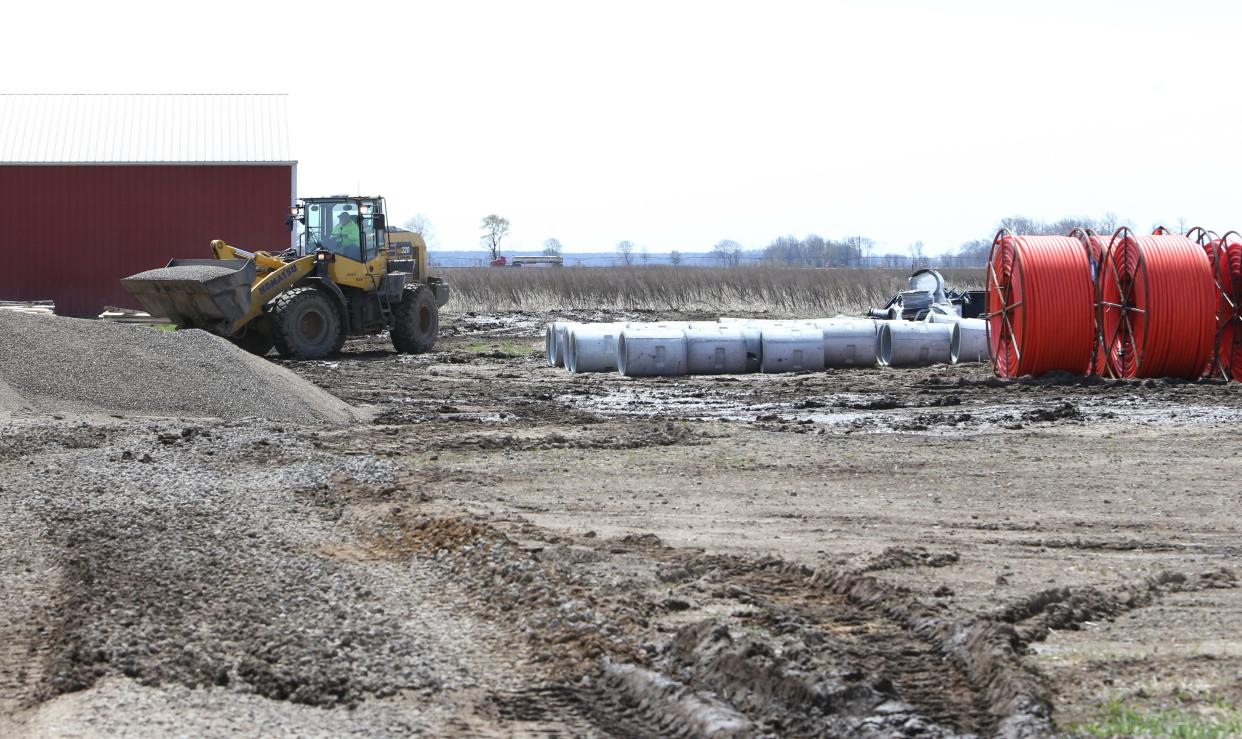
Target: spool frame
[[1008, 310], [1125, 307]]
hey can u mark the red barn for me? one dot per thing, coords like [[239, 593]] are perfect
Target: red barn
[[98, 187]]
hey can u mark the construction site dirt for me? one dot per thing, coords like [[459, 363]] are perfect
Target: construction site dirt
[[504, 548]]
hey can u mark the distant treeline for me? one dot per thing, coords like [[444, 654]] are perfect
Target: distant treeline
[[746, 258], [811, 250], [979, 248]]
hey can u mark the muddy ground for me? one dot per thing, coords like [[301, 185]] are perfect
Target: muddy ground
[[508, 549]]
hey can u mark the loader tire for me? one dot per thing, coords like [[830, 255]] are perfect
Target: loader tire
[[256, 337], [415, 320], [306, 324]]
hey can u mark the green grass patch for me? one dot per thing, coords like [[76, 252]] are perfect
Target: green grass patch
[[512, 348], [1116, 719]]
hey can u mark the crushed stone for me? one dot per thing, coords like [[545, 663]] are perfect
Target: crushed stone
[[51, 364], [197, 272]]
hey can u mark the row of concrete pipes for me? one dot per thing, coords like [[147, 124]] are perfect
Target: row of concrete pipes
[[734, 346]]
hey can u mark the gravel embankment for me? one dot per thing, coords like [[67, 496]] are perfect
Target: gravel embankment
[[65, 365]]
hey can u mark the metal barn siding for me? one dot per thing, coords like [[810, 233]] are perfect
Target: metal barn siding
[[70, 233]]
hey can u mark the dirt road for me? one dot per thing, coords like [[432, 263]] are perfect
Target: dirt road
[[510, 549]]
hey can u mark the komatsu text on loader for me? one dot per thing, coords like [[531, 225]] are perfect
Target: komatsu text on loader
[[349, 275]]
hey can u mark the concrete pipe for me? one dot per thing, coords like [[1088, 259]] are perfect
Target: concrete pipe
[[754, 347], [592, 347], [721, 350], [764, 322], [969, 342], [554, 337], [911, 344], [562, 341], [850, 342], [651, 351], [792, 349]]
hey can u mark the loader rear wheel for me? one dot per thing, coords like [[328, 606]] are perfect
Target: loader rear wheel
[[415, 320], [256, 337], [306, 324]]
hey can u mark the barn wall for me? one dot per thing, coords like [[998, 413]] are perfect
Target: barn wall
[[70, 232]]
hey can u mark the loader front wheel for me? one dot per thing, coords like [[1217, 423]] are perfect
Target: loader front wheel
[[415, 320], [306, 324], [255, 337]]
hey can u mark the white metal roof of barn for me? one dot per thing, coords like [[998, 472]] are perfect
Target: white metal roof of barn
[[144, 129]]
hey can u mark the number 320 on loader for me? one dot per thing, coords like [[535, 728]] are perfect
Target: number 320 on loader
[[350, 275]]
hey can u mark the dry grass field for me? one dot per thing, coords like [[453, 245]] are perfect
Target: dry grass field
[[768, 289]]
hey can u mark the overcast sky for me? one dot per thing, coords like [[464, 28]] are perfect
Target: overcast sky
[[678, 124]]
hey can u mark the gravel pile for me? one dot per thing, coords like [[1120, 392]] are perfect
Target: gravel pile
[[196, 272], [51, 364]]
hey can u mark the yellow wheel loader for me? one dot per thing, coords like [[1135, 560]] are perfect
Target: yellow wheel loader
[[349, 275]]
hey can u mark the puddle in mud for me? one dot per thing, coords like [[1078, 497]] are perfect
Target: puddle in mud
[[870, 413], [690, 403]]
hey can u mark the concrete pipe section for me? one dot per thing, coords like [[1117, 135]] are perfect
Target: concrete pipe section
[[765, 322], [969, 342], [721, 349], [850, 342], [554, 338], [911, 344], [592, 347], [792, 349], [651, 351]]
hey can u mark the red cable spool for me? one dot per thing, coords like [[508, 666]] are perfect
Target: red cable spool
[[1157, 306], [1040, 305], [1096, 245], [1213, 246], [1226, 256]]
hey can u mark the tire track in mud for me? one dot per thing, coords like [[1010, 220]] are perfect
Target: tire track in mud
[[28, 569], [804, 652], [693, 644], [1035, 616], [29, 577]]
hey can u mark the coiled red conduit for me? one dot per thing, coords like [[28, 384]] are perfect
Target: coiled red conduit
[[1226, 256], [1157, 306], [1040, 304], [1096, 246]]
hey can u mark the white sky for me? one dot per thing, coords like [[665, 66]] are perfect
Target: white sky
[[677, 124]]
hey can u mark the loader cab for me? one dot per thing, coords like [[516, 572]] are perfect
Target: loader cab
[[349, 227]]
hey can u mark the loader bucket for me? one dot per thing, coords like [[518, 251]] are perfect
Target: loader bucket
[[195, 292]]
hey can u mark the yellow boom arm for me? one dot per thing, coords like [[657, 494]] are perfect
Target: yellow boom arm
[[274, 276]]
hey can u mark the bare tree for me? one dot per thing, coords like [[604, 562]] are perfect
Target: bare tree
[[552, 248], [626, 250], [729, 252], [859, 247], [494, 228], [643, 254], [674, 256], [975, 249], [785, 249], [918, 255], [1108, 224], [421, 225]]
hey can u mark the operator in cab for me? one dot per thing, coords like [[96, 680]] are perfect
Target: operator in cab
[[346, 235]]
